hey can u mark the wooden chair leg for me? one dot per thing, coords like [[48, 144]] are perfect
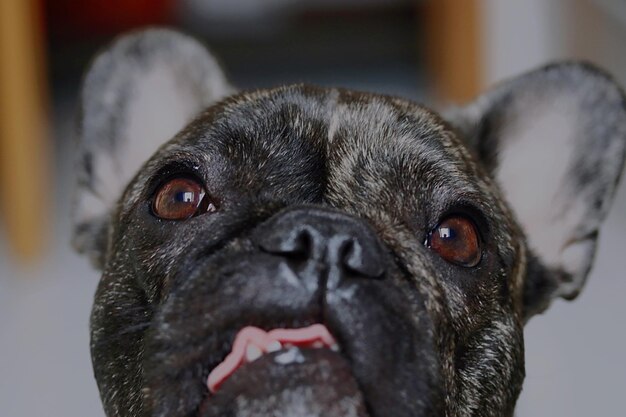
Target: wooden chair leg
[[24, 163], [454, 53]]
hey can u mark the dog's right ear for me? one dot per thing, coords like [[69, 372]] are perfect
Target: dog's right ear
[[554, 140], [137, 94]]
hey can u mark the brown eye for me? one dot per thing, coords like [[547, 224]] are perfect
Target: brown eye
[[456, 240], [180, 199]]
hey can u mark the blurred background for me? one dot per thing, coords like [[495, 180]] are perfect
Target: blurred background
[[437, 52]]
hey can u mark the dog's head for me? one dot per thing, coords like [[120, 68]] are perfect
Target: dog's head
[[324, 252]]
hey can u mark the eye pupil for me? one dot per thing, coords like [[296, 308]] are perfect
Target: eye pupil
[[180, 199], [455, 239]]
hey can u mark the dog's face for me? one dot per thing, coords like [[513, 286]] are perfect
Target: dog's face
[[323, 252]]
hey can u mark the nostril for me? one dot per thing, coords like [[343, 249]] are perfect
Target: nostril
[[362, 261], [324, 241], [297, 243]]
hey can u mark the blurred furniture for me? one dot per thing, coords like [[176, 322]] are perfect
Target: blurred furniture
[[25, 157], [24, 154], [454, 50]]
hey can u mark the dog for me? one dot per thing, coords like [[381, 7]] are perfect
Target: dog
[[306, 251]]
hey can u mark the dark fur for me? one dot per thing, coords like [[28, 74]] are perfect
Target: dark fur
[[420, 336]]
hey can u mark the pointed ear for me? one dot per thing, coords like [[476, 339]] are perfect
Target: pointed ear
[[136, 95], [554, 140]]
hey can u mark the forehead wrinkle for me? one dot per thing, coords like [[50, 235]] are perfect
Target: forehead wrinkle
[[392, 230], [281, 147], [394, 153]]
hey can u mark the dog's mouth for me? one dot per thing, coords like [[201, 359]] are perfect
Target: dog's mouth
[[346, 350], [251, 343], [284, 370]]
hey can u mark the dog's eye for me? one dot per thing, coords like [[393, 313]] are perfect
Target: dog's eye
[[456, 240], [180, 199]]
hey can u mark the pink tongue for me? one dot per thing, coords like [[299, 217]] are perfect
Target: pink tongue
[[316, 334]]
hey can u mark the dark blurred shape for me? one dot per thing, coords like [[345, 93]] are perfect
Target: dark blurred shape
[[72, 18], [369, 44]]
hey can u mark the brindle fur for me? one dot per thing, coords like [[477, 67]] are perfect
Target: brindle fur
[[442, 340]]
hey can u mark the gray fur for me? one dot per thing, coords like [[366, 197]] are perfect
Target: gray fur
[[374, 174], [109, 96]]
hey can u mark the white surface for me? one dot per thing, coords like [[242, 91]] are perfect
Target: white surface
[[45, 369], [574, 352]]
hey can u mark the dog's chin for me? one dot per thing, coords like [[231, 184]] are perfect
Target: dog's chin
[[293, 382]]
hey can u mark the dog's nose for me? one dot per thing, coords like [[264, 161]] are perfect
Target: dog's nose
[[326, 236]]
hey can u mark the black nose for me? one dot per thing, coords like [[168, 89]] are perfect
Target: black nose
[[325, 236]]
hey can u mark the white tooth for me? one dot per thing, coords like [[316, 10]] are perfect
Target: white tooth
[[274, 346], [318, 344], [334, 347], [253, 353], [290, 356]]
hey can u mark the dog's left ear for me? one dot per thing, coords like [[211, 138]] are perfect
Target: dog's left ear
[[554, 140], [137, 94]]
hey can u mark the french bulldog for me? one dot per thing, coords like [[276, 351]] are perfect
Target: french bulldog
[[307, 251]]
